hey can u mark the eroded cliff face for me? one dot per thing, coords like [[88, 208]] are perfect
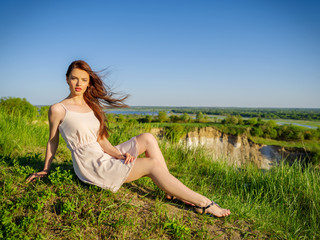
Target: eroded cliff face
[[236, 150]]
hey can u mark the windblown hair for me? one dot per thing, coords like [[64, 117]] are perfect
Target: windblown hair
[[98, 96]]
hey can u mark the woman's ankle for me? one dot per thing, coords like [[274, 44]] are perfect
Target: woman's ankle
[[205, 203]]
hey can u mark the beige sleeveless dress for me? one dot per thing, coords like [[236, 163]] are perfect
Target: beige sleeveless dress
[[91, 164]]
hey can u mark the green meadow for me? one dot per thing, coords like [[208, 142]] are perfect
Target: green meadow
[[282, 203]]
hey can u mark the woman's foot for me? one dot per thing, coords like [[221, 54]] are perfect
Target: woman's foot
[[213, 209], [169, 197]]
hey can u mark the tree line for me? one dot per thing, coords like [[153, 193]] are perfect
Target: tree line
[[270, 129], [267, 113], [233, 124]]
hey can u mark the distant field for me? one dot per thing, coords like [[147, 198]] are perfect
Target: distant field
[[301, 122], [267, 113], [154, 111]]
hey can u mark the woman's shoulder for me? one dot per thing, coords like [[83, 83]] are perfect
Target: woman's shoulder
[[57, 109]]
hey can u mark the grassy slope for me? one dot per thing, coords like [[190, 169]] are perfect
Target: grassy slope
[[280, 203]]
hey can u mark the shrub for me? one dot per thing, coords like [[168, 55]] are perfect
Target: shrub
[[256, 132], [174, 118], [199, 117], [185, 117], [162, 116], [273, 134], [252, 121], [18, 106], [231, 119], [148, 118]]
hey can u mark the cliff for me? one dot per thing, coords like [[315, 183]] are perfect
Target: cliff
[[236, 150]]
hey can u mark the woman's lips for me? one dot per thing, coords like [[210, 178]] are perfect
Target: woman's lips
[[78, 89]]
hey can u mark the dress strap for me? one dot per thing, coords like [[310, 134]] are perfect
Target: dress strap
[[64, 107]]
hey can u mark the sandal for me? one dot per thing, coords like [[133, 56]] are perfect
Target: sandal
[[204, 208]]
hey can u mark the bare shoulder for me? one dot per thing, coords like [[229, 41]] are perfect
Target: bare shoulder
[[56, 111]]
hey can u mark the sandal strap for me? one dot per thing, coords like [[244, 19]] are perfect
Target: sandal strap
[[206, 207]]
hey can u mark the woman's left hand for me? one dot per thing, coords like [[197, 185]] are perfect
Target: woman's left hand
[[128, 158]]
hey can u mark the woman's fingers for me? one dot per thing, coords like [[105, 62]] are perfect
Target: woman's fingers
[[33, 176], [129, 158], [29, 179]]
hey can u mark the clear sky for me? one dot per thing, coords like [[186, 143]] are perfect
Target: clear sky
[[263, 53]]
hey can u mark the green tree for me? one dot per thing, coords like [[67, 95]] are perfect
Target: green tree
[[148, 118], [252, 121], [199, 117], [268, 129], [256, 131], [185, 117], [174, 118], [273, 133], [162, 116], [291, 132], [231, 119], [206, 118], [240, 119]]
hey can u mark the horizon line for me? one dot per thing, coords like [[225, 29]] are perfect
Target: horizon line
[[159, 106]]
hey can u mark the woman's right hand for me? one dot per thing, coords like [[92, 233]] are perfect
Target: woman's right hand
[[34, 176], [128, 158]]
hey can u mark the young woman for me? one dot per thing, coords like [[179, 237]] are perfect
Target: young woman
[[81, 121]]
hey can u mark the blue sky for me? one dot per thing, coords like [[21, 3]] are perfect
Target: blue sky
[[166, 53]]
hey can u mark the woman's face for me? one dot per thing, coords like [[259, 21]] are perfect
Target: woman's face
[[78, 81]]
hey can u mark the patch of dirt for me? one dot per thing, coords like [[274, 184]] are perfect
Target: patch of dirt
[[144, 201]]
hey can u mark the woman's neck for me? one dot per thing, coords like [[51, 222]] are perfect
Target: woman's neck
[[77, 100]]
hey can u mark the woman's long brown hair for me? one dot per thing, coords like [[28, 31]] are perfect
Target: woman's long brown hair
[[98, 96]]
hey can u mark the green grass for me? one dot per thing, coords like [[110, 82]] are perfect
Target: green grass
[[281, 203], [307, 144]]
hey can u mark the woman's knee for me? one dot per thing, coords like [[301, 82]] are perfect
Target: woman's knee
[[146, 139], [149, 138], [155, 165]]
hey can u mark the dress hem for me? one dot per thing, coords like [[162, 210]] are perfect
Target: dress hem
[[136, 155]]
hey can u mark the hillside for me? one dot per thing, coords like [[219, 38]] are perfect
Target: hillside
[[280, 203]]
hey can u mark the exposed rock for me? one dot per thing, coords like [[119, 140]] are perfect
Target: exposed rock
[[158, 132], [236, 150]]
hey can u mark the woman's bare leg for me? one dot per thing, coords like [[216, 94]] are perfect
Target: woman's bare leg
[[154, 168], [149, 145]]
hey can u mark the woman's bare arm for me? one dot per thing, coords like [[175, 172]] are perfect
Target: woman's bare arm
[[114, 152], [55, 115]]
